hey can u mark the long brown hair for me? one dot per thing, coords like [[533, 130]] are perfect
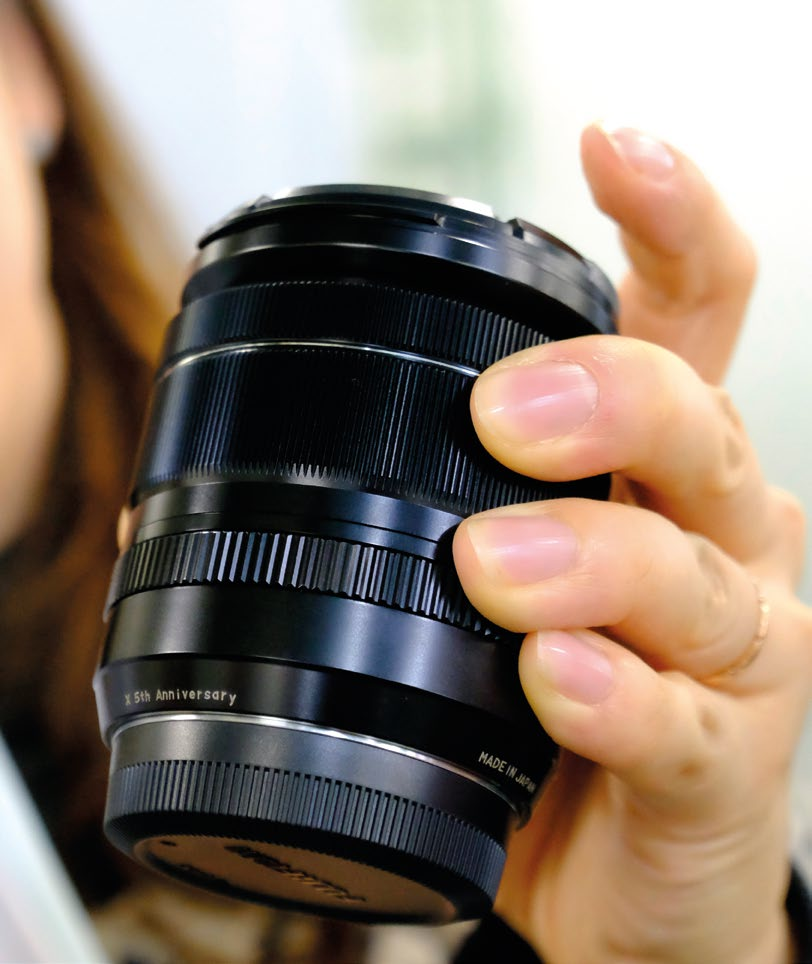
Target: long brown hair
[[113, 274]]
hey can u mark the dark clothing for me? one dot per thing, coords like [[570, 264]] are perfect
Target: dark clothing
[[493, 940]]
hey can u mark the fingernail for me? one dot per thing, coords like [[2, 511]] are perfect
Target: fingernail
[[529, 403], [574, 666], [522, 549], [643, 153]]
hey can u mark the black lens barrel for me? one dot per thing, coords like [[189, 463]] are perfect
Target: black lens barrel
[[303, 707]]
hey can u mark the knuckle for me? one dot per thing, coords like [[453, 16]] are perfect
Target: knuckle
[[733, 276], [728, 408], [786, 546], [732, 459], [685, 741], [668, 383], [715, 615], [707, 736], [790, 515], [745, 264]]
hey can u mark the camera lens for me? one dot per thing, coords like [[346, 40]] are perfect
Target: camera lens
[[302, 707]]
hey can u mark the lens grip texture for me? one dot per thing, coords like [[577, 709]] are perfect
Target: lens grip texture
[[281, 798], [359, 312], [288, 413], [285, 560]]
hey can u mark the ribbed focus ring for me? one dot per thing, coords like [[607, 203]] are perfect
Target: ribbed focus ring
[[336, 567], [309, 801]]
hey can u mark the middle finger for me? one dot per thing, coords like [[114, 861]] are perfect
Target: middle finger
[[596, 404]]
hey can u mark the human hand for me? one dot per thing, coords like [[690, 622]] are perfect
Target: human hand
[[662, 835]]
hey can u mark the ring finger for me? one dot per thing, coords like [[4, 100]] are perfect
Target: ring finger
[[675, 598]]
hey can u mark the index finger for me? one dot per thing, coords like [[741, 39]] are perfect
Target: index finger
[[691, 267]]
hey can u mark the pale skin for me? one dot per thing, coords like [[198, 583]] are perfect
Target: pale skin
[[32, 354], [663, 835]]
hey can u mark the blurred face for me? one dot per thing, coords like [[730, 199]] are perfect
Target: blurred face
[[32, 359]]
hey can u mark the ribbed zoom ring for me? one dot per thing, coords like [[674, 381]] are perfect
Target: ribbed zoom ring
[[309, 801], [336, 567], [353, 311], [349, 417]]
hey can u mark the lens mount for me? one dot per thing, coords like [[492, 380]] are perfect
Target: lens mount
[[305, 817]]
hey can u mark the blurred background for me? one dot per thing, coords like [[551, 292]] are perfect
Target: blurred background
[[223, 100]]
